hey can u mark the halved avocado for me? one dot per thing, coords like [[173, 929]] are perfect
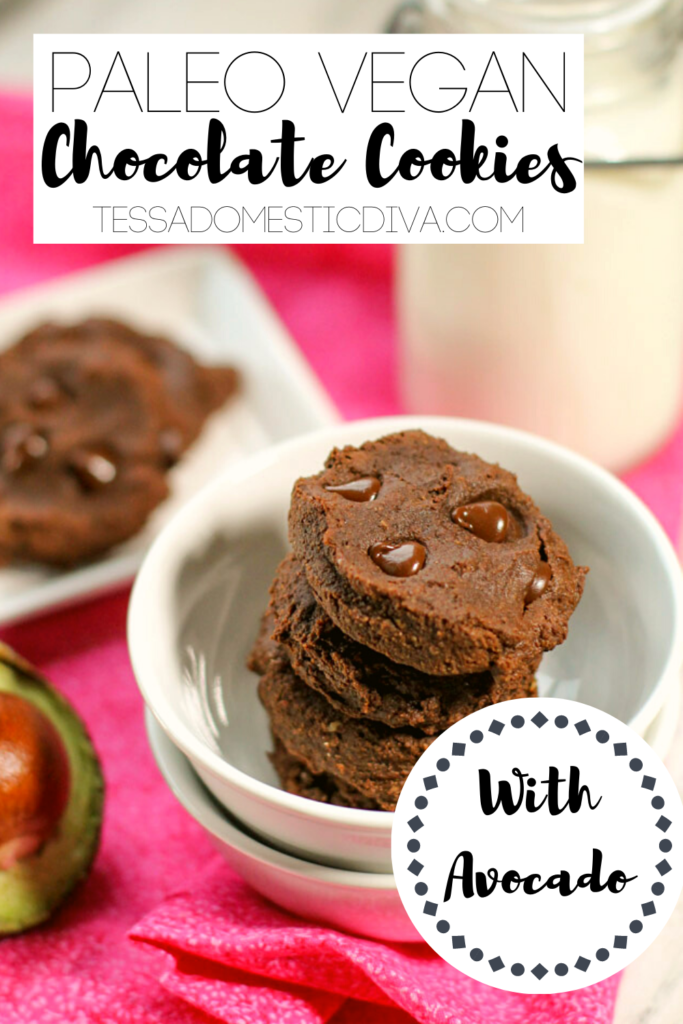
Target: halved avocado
[[51, 797]]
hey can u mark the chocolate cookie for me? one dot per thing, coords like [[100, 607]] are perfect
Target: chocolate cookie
[[85, 425], [191, 391], [80, 462], [296, 778], [434, 558], [362, 754], [356, 680]]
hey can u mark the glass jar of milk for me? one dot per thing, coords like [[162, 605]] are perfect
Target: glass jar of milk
[[582, 344]]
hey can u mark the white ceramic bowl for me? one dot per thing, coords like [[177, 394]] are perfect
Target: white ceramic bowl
[[197, 600], [353, 901]]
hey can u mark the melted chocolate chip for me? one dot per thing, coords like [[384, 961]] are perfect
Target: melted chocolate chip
[[171, 445], [365, 489], [94, 469], [44, 393], [398, 559], [488, 520], [538, 584], [23, 447]]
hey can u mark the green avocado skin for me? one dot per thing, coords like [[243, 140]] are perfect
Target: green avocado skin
[[33, 889]]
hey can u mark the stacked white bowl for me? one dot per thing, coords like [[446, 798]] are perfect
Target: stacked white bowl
[[195, 612]]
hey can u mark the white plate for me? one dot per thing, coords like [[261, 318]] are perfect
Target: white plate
[[205, 300], [361, 902], [353, 901], [197, 601]]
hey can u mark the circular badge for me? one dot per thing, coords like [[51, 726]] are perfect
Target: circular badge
[[537, 845]]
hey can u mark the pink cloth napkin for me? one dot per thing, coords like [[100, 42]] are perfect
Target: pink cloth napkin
[[220, 924], [227, 954]]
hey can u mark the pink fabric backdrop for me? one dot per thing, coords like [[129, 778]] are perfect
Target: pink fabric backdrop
[[82, 968]]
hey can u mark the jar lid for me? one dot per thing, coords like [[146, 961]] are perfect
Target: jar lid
[[586, 16]]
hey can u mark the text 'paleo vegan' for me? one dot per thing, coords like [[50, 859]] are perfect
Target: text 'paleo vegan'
[[69, 151]]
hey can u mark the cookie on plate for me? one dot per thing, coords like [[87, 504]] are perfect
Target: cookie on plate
[[434, 558], [81, 471], [88, 429], [190, 391]]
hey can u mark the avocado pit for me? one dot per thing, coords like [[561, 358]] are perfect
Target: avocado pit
[[35, 779]]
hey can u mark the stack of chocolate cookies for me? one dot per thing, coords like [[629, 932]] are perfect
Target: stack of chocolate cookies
[[423, 585]]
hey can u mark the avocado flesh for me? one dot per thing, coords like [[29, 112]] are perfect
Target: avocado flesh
[[33, 888]]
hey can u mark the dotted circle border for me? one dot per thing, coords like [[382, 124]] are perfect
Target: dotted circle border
[[496, 727]]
